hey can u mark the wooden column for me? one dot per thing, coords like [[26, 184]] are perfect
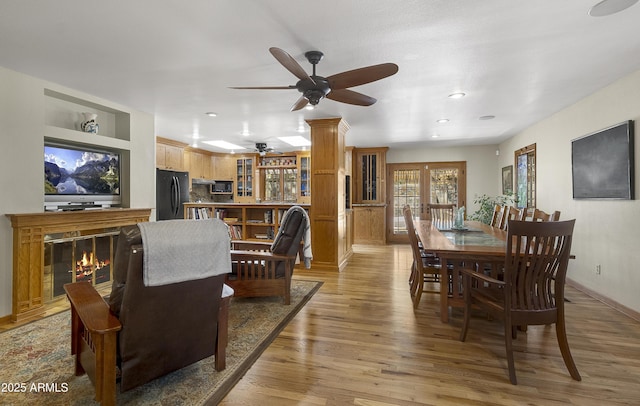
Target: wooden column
[[328, 222], [29, 230]]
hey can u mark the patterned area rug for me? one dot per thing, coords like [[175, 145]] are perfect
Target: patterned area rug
[[36, 366]]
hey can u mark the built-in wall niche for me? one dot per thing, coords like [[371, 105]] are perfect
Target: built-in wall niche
[[63, 116], [65, 112]]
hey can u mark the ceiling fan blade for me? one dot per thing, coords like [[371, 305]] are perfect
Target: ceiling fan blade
[[350, 97], [263, 87], [288, 62], [361, 76], [299, 104]]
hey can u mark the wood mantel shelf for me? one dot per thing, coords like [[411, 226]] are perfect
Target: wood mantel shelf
[[29, 231]]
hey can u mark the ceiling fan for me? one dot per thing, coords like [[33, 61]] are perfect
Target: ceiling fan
[[314, 88]]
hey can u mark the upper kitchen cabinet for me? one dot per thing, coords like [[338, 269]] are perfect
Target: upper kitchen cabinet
[[200, 165], [369, 171], [244, 173], [223, 166], [169, 154]]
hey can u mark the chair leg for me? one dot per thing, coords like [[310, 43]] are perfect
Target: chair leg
[[222, 334], [467, 308], [412, 274], [561, 333], [419, 287], [508, 341]]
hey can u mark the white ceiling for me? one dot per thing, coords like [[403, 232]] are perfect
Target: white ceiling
[[518, 60]]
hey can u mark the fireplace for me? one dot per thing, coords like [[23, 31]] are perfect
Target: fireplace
[[70, 257], [49, 248]]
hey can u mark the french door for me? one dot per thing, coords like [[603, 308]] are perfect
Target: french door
[[418, 184]]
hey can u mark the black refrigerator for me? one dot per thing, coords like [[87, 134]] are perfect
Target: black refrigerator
[[172, 191]]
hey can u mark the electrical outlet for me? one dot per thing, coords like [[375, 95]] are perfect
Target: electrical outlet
[[598, 269]]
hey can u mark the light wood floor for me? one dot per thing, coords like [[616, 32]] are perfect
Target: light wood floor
[[360, 342]]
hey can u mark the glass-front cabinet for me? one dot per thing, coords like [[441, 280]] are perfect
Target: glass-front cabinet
[[244, 180], [370, 175], [304, 174], [279, 178]]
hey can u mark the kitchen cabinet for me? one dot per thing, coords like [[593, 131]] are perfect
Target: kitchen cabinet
[[200, 165], [223, 166], [169, 155], [244, 180]]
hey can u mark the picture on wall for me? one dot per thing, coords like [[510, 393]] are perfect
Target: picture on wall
[[602, 163], [507, 180]]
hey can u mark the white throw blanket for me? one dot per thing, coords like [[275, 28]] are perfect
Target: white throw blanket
[[182, 250], [306, 237]]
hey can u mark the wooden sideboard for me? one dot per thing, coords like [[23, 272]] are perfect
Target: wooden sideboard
[[29, 231]]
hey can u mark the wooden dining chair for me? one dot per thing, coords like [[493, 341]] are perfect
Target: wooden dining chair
[[442, 215], [498, 216], [539, 215], [425, 267], [512, 213], [531, 290]]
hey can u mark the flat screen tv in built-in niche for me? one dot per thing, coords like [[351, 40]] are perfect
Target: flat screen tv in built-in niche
[[602, 163], [77, 175]]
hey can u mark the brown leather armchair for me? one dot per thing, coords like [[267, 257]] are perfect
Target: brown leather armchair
[[265, 269], [147, 331]]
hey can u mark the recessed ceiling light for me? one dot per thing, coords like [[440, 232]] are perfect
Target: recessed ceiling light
[[608, 7], [486, 118], [458, 95], [435, 136], [442, 120], [223, 144], [296, 141], [211, 114]]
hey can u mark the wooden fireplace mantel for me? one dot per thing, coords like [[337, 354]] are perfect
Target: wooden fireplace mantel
[[29, 230]]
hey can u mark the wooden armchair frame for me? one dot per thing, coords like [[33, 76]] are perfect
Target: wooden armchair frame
[[94, 333], [256, 271]]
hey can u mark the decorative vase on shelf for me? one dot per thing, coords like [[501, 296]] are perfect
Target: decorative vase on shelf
[[89, 124]]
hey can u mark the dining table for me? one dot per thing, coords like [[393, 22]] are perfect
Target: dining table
[[475, 245]]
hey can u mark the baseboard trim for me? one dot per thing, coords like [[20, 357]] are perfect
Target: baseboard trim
[[608, 301]]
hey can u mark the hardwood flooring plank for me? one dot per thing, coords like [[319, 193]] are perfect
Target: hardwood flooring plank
[[360, 342]]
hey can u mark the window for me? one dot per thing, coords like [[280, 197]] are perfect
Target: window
[[525, 163]]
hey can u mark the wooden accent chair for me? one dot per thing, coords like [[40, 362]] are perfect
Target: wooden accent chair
[[265, 269], [531, 291], [442, 215], [144, 331], [425, 268]]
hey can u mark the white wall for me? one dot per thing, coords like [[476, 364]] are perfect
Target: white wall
[[22, 128], [606, 232], [483, 170]]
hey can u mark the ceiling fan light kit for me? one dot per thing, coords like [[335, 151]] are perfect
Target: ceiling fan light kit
[[315, 88]]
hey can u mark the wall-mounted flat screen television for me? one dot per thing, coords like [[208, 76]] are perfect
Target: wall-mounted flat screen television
[[76, 175], [602, 163]]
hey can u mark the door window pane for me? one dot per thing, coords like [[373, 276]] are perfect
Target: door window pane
[[443, 184], [406, 190]]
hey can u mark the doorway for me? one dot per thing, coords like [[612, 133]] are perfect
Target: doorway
[[418, 184]]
